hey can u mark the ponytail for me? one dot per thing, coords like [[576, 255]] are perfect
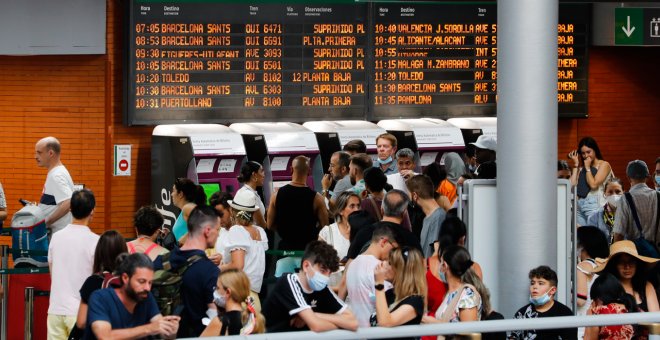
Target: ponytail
[[200, 196], [253, 321], [471, 277]]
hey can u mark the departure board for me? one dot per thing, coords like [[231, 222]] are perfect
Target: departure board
[[441, 60], [222, 61], [228, 62]]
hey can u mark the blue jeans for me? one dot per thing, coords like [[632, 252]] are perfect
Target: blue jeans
[[585, 208]]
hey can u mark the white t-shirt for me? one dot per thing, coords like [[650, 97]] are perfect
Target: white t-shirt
[[219, 242], [260, 203], [398, 182], [339, 242], [58, 188], [254, 264], [360, 283], [71, 257]]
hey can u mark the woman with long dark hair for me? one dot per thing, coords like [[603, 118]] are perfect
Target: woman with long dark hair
[[609, 297], [589, 174], [186, 195], [110, 245], [631, 269], [467, 297]]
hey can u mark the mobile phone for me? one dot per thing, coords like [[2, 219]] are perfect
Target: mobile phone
[[178, 310]]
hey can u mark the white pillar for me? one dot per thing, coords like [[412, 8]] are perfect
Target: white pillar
[[527, 144]]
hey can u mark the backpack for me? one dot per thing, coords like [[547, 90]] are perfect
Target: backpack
[[29, 232], [166, 285]]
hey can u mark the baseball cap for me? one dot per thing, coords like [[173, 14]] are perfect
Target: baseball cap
[[486, 142]]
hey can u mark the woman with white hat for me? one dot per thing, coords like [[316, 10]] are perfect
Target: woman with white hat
[[630, 268], [245, 244]]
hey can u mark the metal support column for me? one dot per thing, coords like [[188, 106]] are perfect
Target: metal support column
[[4, 263], [29, 313], [527, 143]]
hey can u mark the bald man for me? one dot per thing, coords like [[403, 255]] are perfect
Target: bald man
[[297, 212], [56, 195]]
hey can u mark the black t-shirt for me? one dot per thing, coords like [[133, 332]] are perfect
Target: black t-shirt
[[288, 299], [415, 301], [231, 321], [197, 289], [363, 237], [91, 284], [529, 312]]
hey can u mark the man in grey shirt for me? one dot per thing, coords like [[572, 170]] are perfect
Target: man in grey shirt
[[421, 193], [646, 204]]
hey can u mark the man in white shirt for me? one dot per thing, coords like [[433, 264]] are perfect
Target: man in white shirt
[[360, 281], [70, 260], [56, 194], [405, 161]]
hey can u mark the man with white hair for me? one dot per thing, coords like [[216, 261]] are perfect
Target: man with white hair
[[405, 161], [55, 198]]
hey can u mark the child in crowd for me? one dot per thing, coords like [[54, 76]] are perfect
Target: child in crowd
[[609, 297], [303, 300], [542, 290], [240, 317]]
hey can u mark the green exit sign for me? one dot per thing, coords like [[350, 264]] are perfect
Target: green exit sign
[[637, 26]]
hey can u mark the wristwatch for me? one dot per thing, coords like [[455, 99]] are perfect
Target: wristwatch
[[379, 286]]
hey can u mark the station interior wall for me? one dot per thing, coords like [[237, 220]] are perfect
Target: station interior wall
[[78, 99]]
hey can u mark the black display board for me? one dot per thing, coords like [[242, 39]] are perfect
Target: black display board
[[218, 61]]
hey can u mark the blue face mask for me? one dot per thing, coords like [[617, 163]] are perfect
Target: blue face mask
[[657, 181], [318, 281], [443, 276], [540, 301], [385, 161]]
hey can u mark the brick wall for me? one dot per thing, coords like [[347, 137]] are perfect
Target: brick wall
[[78, 99], [624, 107]]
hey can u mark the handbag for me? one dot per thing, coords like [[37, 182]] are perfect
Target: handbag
[[644, 247]]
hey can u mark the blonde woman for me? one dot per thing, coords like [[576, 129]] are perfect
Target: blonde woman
[[240, 317], [406, 302]]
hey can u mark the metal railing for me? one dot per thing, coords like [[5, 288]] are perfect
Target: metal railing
[[30, 292], [467, 328]]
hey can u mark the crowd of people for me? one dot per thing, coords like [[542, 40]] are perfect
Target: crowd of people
[[380, 245]]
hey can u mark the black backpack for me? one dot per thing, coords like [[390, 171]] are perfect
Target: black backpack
[[166, 285]]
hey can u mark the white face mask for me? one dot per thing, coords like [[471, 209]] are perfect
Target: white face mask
[[612, 200], [219, 300]]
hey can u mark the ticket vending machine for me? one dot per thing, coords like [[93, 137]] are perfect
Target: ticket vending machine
[[333, 135], [283, 142], [208, 154], [429, 138], [472, 128]]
